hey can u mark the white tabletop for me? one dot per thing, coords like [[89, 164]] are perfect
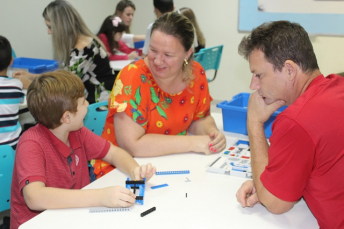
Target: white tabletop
[[210, 202], [117, 65]]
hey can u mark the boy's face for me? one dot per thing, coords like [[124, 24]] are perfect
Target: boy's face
[[78, 117]]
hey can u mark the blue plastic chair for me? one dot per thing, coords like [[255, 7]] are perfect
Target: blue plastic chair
[[210, 58], [6, 170], [198, 56], [95, 117], [14, 54]]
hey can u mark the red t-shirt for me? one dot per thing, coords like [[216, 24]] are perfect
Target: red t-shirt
[[40, 156], [306, 155]]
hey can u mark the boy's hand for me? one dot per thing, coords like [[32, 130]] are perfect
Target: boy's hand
[[144, 171], [117, 196]]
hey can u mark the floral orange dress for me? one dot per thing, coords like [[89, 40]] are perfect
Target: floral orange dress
[[136, 93]]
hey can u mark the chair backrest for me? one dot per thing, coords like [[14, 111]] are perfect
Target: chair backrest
[[210, 58], [95, 117], [6, 170], [198, 56]]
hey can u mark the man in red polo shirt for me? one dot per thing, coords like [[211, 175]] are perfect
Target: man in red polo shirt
[[51, 158], [305, 158]]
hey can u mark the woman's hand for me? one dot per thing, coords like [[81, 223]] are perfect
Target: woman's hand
[[144, 171], [133, 55], [24, 74], [218, 142], [24, 77]]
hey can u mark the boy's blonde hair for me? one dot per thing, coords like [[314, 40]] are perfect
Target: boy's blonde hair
[[53, 93]]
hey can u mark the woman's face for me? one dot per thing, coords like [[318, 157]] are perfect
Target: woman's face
[[127, 15], [118, 36], [166, 55], [49, 26]]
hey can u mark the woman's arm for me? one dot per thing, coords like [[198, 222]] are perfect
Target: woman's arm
[[139, 37], [132, 137], [124, 48], [126, 163], [25, 77]]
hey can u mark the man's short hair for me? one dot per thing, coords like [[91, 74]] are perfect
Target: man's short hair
[[281, 41], [164, 6], [51, 94], [5, 53]]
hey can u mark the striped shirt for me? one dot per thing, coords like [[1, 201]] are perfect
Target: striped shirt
[[10, 96]]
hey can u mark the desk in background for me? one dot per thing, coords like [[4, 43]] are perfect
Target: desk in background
[[210, 201], [117, 65]]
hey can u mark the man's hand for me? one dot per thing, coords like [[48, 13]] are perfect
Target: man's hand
[[259, 111], [247, 194]]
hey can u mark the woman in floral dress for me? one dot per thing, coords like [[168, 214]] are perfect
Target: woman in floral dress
[[157, 100], [78, 50]]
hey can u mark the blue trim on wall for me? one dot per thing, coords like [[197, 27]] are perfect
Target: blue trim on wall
[[314, 24]]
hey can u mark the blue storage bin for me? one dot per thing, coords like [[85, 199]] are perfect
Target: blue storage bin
[[33, 65], [139, 44], [234, 115]]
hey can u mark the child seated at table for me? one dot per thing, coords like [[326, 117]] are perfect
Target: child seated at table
[[51, 159], [10, 95], [110, 34]]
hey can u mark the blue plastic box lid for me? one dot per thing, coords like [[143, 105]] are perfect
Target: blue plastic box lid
[[234, 115], [35, 65]]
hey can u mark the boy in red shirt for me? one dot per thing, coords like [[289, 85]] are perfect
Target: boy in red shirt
[[51, 158]]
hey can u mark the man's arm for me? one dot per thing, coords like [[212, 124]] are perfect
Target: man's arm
[[257, 114]]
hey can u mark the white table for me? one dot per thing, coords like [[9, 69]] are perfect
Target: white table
[[210, 202], [117, 65]]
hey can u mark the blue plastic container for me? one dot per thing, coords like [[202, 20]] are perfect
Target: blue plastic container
[[139, 44], [35, 65], [234, 115]]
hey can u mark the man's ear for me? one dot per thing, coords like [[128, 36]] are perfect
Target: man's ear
[[66, 117], [11, 61], [291, 69]]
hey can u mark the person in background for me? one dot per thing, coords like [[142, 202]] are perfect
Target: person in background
[[51, 159], [10, 96], [199, 41], [306, 151], [78, 50], [158, 100], [125, 10], [110, 34], [160, 8]]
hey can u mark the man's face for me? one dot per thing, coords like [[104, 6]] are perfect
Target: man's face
[[271, 85]]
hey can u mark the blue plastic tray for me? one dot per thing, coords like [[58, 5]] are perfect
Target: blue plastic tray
[[35, 65]]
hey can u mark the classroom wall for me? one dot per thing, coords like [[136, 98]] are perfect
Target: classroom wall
[[22, 23]]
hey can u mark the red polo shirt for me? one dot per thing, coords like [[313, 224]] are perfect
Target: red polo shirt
[[41, 156]]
